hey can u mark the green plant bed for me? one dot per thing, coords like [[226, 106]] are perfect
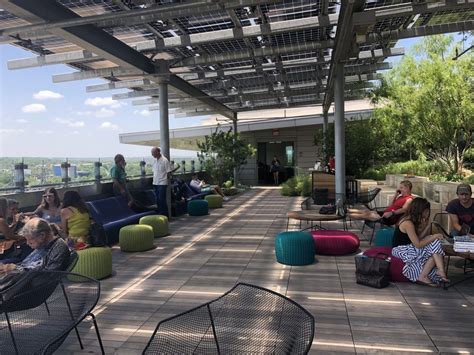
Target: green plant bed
[[297, 186]]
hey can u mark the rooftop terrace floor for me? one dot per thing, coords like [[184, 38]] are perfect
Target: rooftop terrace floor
[[205, 256]]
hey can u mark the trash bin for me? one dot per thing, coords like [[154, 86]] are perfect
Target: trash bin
[[320, 196]]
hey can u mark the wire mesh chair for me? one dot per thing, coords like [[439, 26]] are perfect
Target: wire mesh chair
[[246, 319], [38, 312]]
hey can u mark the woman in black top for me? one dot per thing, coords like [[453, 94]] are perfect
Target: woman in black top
[[275, 169], [421, 253]]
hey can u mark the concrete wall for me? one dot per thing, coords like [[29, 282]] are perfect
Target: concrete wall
[[306, 152]]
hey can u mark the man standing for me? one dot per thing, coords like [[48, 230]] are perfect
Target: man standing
[[161, 174], [461, 210], [119, 178]]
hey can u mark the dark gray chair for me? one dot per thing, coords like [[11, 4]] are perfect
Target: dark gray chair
[[41, 308], [247, 319]]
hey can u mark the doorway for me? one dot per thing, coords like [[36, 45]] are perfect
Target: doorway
[[285, 153]]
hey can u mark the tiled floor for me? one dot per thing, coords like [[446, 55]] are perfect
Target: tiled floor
[[205, 256]]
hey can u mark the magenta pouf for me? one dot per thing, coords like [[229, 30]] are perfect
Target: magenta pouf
[[335, 242], [396, 265]]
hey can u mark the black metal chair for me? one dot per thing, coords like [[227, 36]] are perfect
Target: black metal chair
[[246, 319], [38, 311]]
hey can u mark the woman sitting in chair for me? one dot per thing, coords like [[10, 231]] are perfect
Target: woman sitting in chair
[[391, 214], [421, 253]]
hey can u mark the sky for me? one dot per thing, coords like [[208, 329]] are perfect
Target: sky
[[39, 118]]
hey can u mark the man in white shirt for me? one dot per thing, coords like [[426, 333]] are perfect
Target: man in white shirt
[[161, 174]]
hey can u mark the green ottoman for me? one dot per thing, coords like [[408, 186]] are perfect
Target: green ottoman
[[383, 237], [158, 222], [136, 237], [294, 248], [94, 262], [198, 207], [214, 201]]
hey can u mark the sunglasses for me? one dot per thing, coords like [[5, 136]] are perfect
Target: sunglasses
[[46, 196]]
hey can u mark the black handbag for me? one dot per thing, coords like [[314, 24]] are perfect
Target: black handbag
[[373, 271], [330, 209], [97, 235]]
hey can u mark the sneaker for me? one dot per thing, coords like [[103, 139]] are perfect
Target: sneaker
[[226, 198]]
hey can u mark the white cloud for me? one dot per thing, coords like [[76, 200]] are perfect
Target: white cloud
[[21, 120], [73, 133], [145, 113], [47, 131], [11, 131], [84, 113], [109, 125], [70, 123], [33, 108], [104, 101], [104, 112], [46, 94]]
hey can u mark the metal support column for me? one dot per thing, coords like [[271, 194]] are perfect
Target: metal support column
[[325, 138], [236, 173], [339, 134], [165, 132]]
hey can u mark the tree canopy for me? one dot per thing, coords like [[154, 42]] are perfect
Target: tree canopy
[[223, 151], [427, 102]]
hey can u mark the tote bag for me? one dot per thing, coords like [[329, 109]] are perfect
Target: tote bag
[[373, 271]]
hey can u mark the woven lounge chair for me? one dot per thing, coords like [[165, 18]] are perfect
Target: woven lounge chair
[[247, 319]]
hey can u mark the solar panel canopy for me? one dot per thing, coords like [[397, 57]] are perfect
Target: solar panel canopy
[[224, 57]]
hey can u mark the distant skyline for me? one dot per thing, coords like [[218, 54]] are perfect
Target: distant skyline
[[39, 118]]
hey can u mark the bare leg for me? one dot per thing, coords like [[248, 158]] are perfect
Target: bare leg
[[439, 261], [430, 263], [218, 190]]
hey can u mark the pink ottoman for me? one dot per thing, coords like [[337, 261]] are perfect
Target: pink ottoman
[[335, 242], [396, 266]]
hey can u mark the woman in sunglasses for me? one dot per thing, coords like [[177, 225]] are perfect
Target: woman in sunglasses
[[50, 206]]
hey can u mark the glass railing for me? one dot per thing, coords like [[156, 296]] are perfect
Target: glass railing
[[32, 174]]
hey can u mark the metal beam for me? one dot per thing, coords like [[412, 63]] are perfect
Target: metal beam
[[463, 26], [128, 18], [105, 45], [253, 53], [51, 59], [371, 16], [98, 73], [123, 84], [344, 36]]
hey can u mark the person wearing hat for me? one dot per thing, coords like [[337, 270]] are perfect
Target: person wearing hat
[[461, 210]]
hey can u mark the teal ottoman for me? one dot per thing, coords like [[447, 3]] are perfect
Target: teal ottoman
[[384, 237], [294, 248], [136, 237], [158, 222], [214, 201], [198, 208]]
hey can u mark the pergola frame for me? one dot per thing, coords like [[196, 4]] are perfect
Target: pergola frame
[[226, 56]]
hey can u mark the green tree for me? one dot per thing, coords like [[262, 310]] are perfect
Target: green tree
[[221, 154], [365, 144], [427, 102]]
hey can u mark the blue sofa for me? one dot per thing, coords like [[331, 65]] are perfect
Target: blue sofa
[[113, 213]]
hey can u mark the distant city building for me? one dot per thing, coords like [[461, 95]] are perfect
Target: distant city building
[[72, 171]]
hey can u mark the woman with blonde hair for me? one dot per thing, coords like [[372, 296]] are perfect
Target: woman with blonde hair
[[421, 253]]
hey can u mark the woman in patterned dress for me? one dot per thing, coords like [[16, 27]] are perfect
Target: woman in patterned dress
[[421, 253]]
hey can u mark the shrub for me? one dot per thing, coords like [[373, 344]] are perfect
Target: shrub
[[469, 180], [228, 184], [288, 188], [297, 186]]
